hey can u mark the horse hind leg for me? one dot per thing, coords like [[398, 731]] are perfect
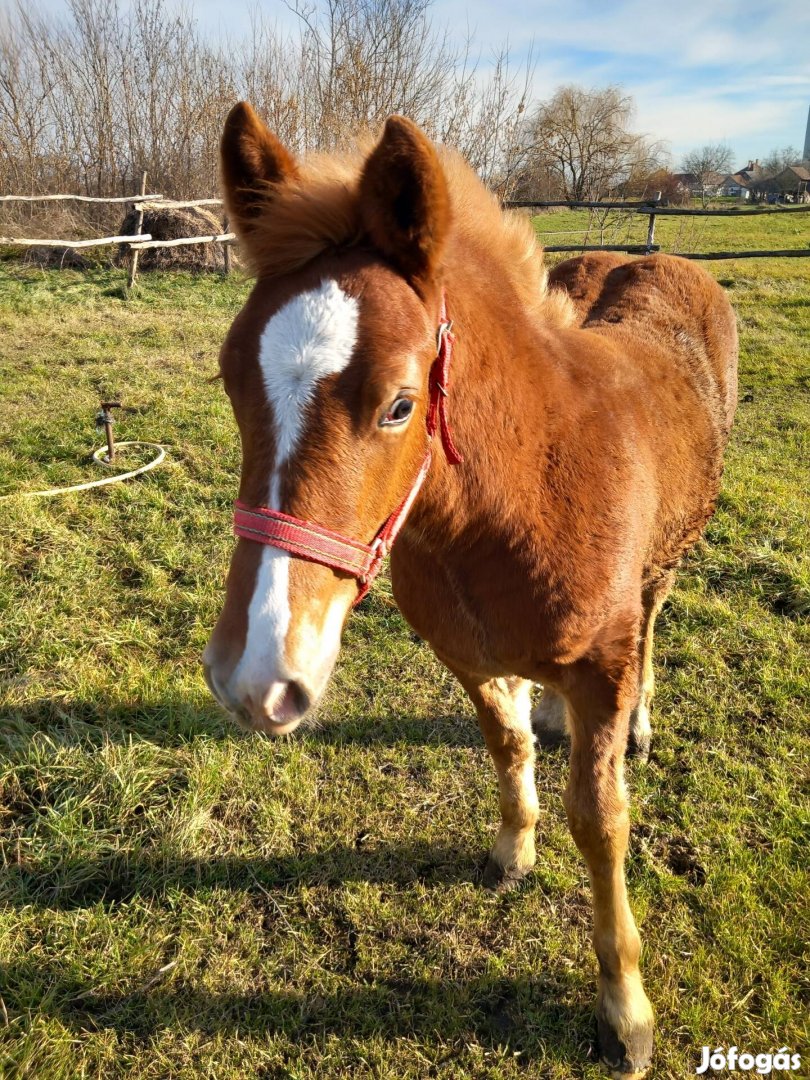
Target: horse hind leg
[[638, 743], [503, 707]]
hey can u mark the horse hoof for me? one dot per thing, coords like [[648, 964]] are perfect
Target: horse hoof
[[626, 1058], [638, 747], [501, 879]]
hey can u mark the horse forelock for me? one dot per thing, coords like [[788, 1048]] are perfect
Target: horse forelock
[[318, 213]]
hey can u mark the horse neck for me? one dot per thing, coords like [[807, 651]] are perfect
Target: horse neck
[[497, 406]]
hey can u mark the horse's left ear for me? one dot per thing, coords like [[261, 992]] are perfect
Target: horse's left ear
[[405, 202]]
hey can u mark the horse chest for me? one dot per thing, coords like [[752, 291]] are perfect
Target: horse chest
[[494, 612]]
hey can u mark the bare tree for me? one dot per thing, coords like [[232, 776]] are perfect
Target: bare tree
[[484, 119], [778, 160], [89, 100], [709, 165], [583, 139], [666, 184]]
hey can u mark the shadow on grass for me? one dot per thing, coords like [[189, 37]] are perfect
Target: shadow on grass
[[73, 883], [523, 1015], [174, 723]]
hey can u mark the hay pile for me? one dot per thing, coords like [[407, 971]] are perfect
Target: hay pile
[[171, 224], [46, 220], [50, 258]]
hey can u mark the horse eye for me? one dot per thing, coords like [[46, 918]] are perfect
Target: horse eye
[[399, 412]]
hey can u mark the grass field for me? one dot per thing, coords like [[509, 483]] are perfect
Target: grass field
[[761, 232], [179, 900]]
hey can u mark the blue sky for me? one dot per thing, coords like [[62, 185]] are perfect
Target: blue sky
[[736, 71]]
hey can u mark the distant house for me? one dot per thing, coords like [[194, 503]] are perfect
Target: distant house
[[693, 185], [735, 187], [794, 181], [743, 183], [687, 183]]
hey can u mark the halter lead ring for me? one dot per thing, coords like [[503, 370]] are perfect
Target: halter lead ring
[[310, 541]]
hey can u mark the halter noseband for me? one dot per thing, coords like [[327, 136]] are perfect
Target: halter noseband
[[313, 542]]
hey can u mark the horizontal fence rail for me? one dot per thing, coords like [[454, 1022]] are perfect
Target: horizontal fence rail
[[651, 208], [219, 238], [150, 203], [628, 249], [760, 211], [528, 204], [788, 253], [77, 198], [15, 241]]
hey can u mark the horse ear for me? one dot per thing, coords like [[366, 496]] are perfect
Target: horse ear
[[405, 202], [252, 160]]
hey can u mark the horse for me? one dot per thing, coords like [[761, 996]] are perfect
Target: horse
[[543, 447]]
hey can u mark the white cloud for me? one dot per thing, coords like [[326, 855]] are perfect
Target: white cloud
[[721, 72]]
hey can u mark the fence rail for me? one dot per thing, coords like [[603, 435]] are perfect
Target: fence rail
[[182, 241], [77, 198], [137, 242], [15, 241], [651, 208]]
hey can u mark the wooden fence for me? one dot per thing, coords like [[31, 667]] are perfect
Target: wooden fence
[[652, 209], [136, 242]]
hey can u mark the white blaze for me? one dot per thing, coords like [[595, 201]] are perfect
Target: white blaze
[[312, 336]]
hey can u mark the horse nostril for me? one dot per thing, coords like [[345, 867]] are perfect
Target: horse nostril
[[286, 701], [279, 709], [298, 698], [208, 675]]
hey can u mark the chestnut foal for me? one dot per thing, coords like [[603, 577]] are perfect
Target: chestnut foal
[[579, 428]]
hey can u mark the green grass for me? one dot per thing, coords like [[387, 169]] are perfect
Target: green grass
[[760, 232], [178, 900]]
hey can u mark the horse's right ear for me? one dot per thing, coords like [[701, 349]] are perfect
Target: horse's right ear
[[252, 160]]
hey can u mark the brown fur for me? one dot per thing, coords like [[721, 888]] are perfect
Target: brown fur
[[592, 412]]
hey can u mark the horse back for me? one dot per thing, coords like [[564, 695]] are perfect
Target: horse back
[[665, 308], [669, 328]]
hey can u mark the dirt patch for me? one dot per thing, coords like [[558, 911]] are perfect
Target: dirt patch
[[677, 853]]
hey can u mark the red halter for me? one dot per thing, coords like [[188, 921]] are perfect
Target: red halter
[[309, 541]]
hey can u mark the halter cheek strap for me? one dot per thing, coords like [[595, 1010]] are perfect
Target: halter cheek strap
[[307, 540]]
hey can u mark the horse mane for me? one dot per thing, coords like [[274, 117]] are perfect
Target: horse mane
[[318, 211]]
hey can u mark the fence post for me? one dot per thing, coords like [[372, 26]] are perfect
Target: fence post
[[226, 247], [133, 255], [651, 227]]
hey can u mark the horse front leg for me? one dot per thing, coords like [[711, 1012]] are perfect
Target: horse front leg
[[503, 707], [596, 803]]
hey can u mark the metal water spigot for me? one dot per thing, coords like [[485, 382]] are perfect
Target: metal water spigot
[[104, 419]]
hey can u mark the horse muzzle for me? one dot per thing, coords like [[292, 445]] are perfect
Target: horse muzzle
[[276, 708]]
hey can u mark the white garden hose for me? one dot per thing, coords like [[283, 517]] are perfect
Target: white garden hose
[[97, 457]]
